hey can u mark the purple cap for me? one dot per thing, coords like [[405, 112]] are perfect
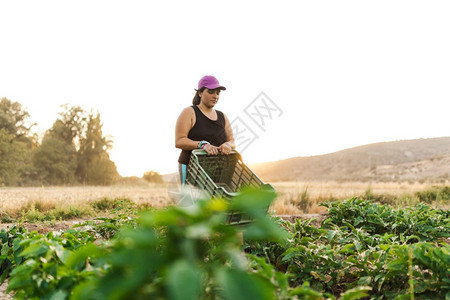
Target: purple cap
[[210, 82]]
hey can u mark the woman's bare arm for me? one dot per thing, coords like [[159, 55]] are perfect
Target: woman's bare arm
[[185, 122]]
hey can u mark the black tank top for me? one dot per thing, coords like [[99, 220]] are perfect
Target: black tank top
[[205, 129]]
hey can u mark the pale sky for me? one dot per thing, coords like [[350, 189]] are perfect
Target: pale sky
[[334, 74]]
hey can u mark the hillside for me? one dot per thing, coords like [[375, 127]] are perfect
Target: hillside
[[422, 160]]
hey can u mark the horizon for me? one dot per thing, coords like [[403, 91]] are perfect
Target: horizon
[[357, 146]]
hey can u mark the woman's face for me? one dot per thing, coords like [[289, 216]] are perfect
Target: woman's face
[[210, 97]]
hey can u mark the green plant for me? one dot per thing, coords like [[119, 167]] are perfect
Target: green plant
[[5, 217], [52, 266], [380, 198], [436, 193], [34, 215], [104, 204], [124, 214], [10, 249], [186, 253], [420, 221], [361, 248]]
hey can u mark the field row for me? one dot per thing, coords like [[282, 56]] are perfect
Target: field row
[[293, 198]]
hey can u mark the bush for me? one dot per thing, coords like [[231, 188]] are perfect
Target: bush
[[104, 204], [6, 218], [153, 177], [435, 193], [380, 198]]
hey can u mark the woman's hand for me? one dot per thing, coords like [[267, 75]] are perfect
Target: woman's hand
[[211, 150], [225, 148]]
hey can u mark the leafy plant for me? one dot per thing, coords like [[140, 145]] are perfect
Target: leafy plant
[[361, 248], [420, 221], [52, 266], [124, 214], [436, 193], [10, 249], [186, 253]]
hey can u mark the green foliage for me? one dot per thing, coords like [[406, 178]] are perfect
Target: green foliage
[[5, 217], [124, 216], [421, 222], [436, 193], [10, 249], [362, 244], [14, 119], [380, 198], [94, 165], [302, 200], [34, 214], [75, 150], [16, 143], [52, 265], [190, 253], [55, 161], [104, 204], [70, 125], [184, 253], [13, 156], [68, 213]]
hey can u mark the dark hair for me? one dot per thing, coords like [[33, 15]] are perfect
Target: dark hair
[[196, 100]]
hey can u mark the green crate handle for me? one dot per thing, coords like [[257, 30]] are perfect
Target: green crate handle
[[203, 152]]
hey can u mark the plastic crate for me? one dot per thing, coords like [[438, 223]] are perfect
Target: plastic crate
[[223, 176]]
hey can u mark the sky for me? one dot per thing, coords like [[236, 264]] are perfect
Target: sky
[[303, 77]]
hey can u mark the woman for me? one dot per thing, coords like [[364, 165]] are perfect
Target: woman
[[200, 126]]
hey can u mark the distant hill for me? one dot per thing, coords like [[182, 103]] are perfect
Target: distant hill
[[422, 160]]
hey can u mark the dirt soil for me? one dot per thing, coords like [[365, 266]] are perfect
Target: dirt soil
[[3, 294], [317, 218], [66, 225], [45, 227]]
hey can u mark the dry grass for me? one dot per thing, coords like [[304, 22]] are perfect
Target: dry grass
[[291, 195], [294, 198], [13, 200]]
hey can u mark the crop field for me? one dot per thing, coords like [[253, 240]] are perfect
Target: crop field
[[294, 198], [361, 249], [381, 240]]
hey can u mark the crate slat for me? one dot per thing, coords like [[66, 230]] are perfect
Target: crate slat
[[222, 176]]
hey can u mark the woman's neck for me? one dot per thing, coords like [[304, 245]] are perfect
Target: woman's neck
[[205, 109]]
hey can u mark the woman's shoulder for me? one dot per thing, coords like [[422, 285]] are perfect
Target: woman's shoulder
[[188, 110], [220, 113], [221, 116]]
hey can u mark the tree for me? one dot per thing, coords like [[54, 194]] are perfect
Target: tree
[[152, 176], [14, 119], [75, 150], [101, 171], [56, 159], [13, 157], [16, 143], [94, 164], [71, 124]]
